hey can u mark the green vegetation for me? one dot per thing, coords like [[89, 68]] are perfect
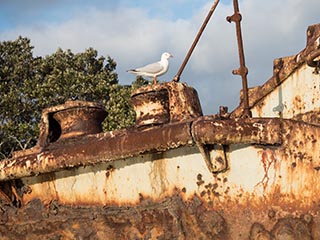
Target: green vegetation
[[28, 84]]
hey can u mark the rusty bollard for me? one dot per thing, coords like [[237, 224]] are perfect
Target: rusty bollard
[[77, 118], [165, 103], [71, 119]]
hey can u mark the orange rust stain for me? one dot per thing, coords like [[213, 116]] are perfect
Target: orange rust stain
[[298, 103], [267, 159]]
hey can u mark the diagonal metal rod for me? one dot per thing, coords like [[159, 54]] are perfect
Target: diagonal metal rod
[[243, 70], [204, 24]]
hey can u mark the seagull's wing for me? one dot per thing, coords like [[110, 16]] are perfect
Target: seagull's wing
[[151, 68]]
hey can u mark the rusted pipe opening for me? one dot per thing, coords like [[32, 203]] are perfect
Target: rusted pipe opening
[[54, 129], [71, 119], [79, 120]]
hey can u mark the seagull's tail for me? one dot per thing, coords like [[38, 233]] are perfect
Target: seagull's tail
[[132, 71]]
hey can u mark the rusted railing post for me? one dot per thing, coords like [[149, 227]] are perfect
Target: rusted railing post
[[204, 24], [243, 70]]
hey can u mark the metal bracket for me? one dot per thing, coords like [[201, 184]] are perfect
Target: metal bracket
[[236, 17], [218, 164]]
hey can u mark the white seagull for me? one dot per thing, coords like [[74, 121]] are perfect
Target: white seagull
[[154, 69]]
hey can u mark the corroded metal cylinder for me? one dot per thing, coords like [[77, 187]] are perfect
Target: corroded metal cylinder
[[165, 103], [78, 118], [151, 107]]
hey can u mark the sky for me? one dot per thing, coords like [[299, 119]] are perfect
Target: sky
[[135, 33]]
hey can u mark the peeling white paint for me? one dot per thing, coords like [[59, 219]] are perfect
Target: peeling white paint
[[298, 94]]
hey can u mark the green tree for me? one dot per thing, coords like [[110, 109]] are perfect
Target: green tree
[[28, 84]]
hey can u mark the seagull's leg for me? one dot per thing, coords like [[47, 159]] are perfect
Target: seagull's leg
[[154, 80]]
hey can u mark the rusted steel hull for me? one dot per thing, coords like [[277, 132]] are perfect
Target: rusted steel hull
[[122, 144], [171, 218], [267, 186], [194, 177], [289, 170]]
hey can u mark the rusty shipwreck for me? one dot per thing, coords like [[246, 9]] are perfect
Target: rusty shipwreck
[[176, 174]]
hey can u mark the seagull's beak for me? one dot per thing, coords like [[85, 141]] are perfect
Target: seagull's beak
[[171, 56]]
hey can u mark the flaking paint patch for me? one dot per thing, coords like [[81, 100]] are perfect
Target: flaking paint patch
[[158, 177], [296, 94], [243, 159]]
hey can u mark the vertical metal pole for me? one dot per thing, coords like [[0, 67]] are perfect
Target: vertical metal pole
[[204, 24], [243, 70]]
